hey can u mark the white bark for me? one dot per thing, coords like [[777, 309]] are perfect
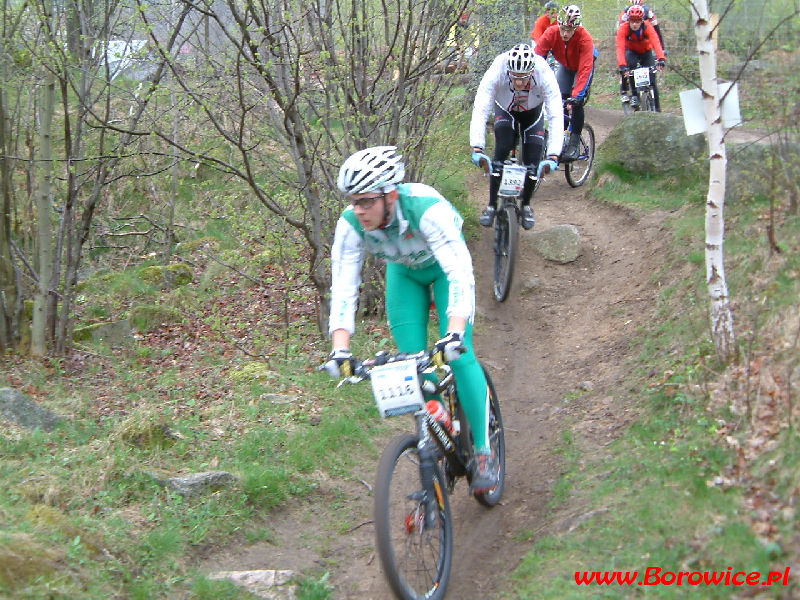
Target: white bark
[[721, 318]]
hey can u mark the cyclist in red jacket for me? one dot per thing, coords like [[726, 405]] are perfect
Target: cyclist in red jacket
[[649, 17], [637, 42], [573, 48]]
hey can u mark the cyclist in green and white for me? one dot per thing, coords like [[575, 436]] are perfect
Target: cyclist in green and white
[[418, 234]]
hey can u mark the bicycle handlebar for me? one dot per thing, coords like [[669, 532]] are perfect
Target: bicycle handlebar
[[425, 359]]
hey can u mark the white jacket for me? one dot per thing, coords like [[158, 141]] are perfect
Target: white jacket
[[496, 87]]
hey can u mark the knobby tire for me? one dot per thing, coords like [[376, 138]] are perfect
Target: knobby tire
[[649, 102], [497, 441], [506, 240], [577, 171], [627, 108], [416, 559]]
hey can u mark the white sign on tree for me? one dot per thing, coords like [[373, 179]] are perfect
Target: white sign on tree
[[694, 118]]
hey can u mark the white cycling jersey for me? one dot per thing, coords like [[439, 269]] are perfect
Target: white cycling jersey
[[425, 230], [496, 88]]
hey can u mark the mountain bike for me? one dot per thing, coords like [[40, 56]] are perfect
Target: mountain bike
[[418, 471], [577, 171], [512, 176], [642, 97]]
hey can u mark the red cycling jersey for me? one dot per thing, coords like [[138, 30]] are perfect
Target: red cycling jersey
[[637, 41], [576, 55]]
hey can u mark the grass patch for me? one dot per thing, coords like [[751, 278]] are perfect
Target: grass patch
[[657, 497]]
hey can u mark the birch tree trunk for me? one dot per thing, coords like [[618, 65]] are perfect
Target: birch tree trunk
[[721, 318]]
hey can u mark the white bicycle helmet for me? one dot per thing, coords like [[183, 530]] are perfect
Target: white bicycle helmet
[[570, 16], [371, 169], [520, 59]]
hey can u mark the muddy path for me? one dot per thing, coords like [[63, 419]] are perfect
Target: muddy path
[[556, 350]]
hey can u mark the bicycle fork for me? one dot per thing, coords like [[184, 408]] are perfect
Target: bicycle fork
[[428, 495]]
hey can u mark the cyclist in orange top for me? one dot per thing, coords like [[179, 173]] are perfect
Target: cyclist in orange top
[[543, 22], [649, 16], [636, 43]]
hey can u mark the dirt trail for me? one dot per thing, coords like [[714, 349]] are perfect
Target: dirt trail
[[563, 327]]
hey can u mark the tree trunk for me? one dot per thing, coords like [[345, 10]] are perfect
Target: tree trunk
[[9, 294], [44, 228], [8, 287], [721, 317]]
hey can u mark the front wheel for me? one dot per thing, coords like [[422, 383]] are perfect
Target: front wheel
[[497, 442], [506, 237], [648, 101], [627, 108], [577, 171], [416, 552]]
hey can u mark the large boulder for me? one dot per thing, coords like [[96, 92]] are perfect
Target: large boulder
[[652, 143], [112, 332], [146, 317], [560, 243], [167, 276], [18, 408]]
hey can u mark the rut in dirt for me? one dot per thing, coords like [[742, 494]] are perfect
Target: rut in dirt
[[565, 330]]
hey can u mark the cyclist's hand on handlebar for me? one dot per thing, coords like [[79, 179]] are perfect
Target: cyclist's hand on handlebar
[[571, 101], [477, 157], [340, 363], [624, 70], [661, 63], [450, 346], [546, 167]]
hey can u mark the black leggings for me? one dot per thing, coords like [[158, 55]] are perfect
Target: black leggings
[[508, 128], [566, 81], [646, 59]]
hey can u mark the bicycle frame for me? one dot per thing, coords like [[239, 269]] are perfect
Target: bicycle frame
[[456, 453], [513, 177], [417, 472]]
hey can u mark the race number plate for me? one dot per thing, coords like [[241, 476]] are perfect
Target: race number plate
[[641, 77], [396, 388], [513, 179]]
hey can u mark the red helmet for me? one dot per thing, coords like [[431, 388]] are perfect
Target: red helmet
[[635, 13]]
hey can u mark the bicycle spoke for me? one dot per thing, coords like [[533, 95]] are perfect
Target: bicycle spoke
[[415, 553], [577, 171], [505, 248]]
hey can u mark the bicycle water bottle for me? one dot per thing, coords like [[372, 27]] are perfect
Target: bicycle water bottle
[[440, 414]]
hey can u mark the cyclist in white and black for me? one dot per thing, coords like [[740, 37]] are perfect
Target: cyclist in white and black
[[523, 90]]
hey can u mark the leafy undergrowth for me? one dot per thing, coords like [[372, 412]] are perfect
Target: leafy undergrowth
[[229, 387], [705, 481]]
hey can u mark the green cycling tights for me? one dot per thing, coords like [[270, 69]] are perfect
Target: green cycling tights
[[408, 301]]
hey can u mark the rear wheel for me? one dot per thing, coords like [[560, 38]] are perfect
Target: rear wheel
[[416, 555], [497, 442], [577, 171], [506, 236]]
